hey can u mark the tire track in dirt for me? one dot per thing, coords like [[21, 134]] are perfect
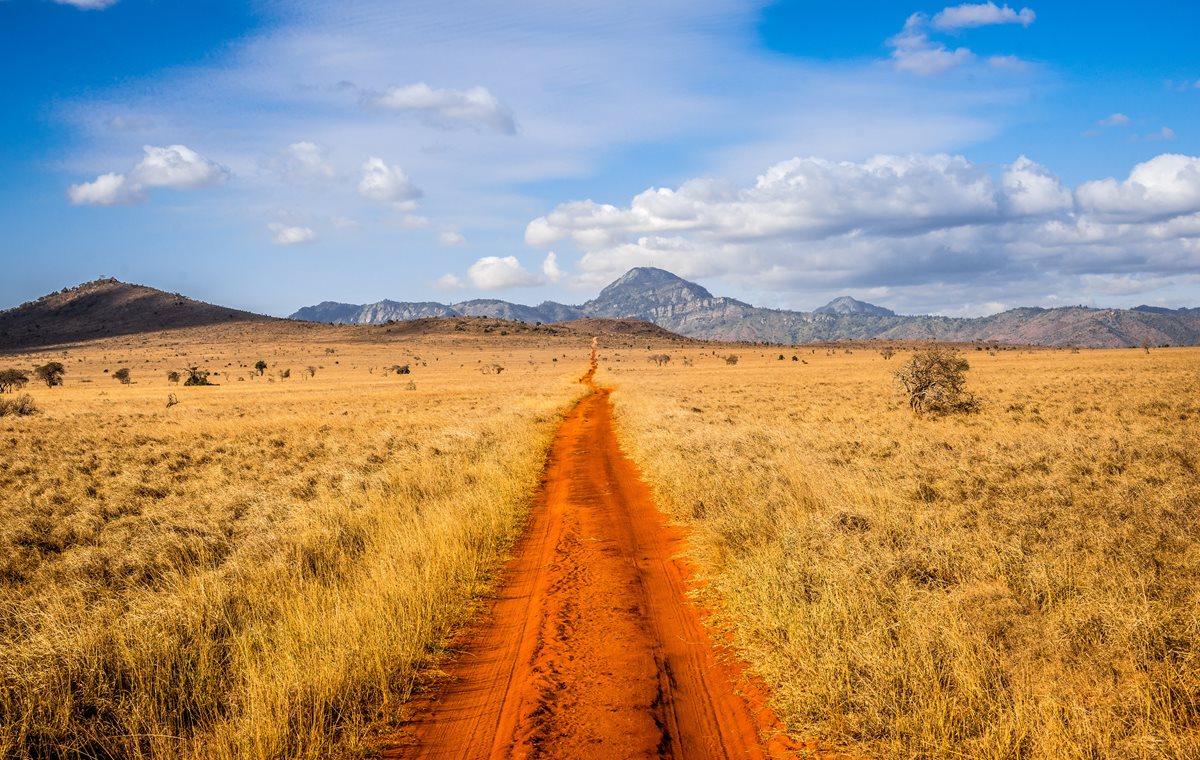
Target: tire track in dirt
[[591, 649]]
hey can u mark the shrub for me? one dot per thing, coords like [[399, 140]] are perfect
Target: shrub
[[173, 377], [284, 374], [50, 373], [122, 376], [887, 353], [312, 371], [731, 359], [260, 366], [197, 376], [934, 380], [660, 359], [21, 406], [13, 380]]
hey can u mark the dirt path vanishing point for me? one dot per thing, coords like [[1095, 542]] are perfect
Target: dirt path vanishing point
[[591, 649]]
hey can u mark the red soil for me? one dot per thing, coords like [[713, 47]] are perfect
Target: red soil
[[591, 649]]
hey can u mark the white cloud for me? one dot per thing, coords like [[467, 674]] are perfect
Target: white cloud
[[106, 190], [175, 166], [448, 282], [285, 235], [1167, 133], [450, 238], [499, 272], [1031, 189], [88, 5], [925, 226], [913, 51], [475, 107], [1115, 120], [970, 15], [1166, 185], [550, 267], [300, 162], [387, 184], [414, 222]]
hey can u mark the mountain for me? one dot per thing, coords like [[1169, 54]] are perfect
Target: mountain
[[683, 307], [848, 305], [106, 308]]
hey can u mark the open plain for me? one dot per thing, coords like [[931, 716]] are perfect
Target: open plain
[[306, 565]]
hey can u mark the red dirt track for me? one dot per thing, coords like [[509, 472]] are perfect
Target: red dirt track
[[591, 649]]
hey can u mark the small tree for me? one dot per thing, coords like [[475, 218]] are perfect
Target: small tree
[[50, 373], [934, 380], [197, 376], [13, 380], [887, 353], [284, 374], [122, 376], [173, 377], [260, 366], [731, 359]]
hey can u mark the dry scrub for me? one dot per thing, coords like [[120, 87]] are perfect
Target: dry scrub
[[1021, 582], [264, 568]]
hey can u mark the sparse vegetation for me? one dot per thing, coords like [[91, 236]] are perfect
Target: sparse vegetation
[[13, 380], [173, 377], [1014, 584], [50, 373], [660, 360], [887, 353], [934, 381], [21, 406], [260, 367], [253, 575], [123, 376], [731, 359], [197, 376]]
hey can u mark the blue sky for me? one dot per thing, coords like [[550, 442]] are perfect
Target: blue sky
[[955, 159]]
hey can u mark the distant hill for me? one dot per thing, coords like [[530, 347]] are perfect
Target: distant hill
[[107, 308], [673, 303], [848, 305]]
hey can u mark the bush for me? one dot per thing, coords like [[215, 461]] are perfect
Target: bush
[[260, 366], [197, 376], [13, 380], [173, 377], [21, 406], [887, 353], [660, 359], [50, 373], [731, 359], [934, 380], [122, 376]]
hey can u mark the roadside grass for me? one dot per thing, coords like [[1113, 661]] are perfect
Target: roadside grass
[[1020, 582], [264, 568]]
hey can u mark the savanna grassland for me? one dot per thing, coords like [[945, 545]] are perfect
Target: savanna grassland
[[1018, 582], [266, 567]]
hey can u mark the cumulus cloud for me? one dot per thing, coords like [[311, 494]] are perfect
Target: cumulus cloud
[[970, 15], [175, 166], [474, 107], [450, 238], [928, 222], [550, 267], [1165, 186], [387, 184], [1031, 189], [285, 235], [499, 272]]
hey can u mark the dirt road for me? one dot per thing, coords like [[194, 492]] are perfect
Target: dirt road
[[591, 649]]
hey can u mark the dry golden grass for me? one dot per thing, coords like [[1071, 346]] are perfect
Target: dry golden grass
[[1023, 582], [265, 568]]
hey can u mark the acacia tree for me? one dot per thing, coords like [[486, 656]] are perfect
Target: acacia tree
[[935, 380], [261, 366], [50, 373], [122, 376], [13, 380]]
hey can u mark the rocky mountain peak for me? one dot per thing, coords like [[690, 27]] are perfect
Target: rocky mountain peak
[[846, 305]]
